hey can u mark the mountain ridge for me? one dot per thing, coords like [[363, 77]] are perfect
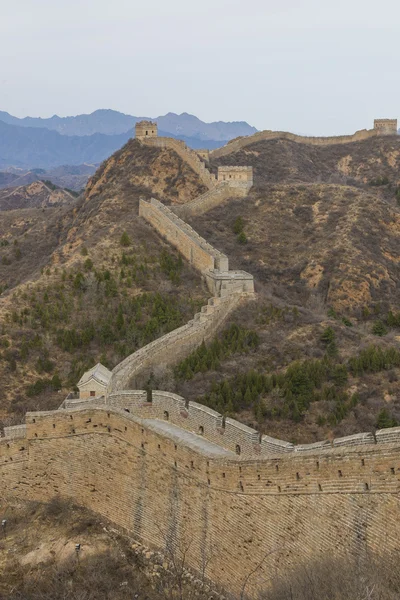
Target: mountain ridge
[[111, 122]]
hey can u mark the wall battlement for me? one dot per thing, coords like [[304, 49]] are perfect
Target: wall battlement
[[229, 433]]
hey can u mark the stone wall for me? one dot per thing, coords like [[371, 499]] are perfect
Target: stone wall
[[209, 200], [15, 432], [227, 510], [92, 388], [242, 142], [229, 433], [173, 347], [190, 244], [229, 289], [204, 154]]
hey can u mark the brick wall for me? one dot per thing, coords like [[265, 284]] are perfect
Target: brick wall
[[197, 251], [232, 510]]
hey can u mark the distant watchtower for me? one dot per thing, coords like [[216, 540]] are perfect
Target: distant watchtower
[[145, 129], [240, 177], [385, 126]]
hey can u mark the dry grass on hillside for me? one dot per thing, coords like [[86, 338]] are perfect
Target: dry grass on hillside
[[322, 256], [284, 161], [73, 287], [38, 560]]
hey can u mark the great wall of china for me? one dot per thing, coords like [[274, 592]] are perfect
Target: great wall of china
[[381, 127], [171, 471]]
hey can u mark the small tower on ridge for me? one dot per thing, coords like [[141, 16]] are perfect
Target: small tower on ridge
[[385, 126], [145, 129]]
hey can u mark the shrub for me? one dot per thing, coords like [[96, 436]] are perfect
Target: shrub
[[233, 340], [379, 328], [125, 240], [378, 181], [385, 420], [171, 266], [238, 225], [242, 238], [88, 264]]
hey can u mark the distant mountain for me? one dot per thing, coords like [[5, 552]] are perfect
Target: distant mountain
[[111, 122], [35, 195], [29, 147], [67, 176]]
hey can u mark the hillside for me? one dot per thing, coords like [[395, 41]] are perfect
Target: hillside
[[88, 281], [285, 161], [314, 356], [38, 559], [73, 177], [34, 195]]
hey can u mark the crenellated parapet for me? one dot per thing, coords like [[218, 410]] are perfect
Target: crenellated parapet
[[231, 434]]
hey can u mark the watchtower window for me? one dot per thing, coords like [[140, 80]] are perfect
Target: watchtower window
[[92, 393], [166, 415], [201, 430], [147, 133], [238, 449]]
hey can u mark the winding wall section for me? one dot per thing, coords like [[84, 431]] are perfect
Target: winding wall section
[[166, 485], [242, 142]]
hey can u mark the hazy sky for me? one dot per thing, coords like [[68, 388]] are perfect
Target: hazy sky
[[308, 66]]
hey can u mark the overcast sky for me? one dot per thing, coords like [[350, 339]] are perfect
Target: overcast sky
[[307, 66]]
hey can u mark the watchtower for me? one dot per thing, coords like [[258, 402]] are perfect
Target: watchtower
[[236, 176], [145, 129], [385, 126]]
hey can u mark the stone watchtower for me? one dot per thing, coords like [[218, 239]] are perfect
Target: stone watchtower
[[385, 126], [145, 129], [239, 177]]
